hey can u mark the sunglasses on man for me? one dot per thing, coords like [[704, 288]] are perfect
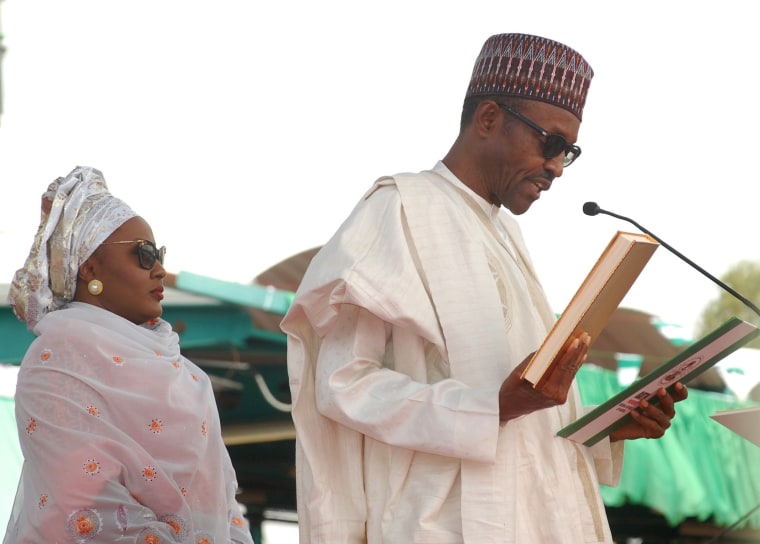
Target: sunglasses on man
[[554, 143]]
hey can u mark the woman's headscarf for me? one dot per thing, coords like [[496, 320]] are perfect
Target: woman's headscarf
[[78, 214]]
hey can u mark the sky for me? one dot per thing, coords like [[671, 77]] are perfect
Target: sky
[[244, 132]]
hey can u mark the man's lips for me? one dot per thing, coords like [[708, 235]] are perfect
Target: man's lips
[[158, 293], [542, 184]]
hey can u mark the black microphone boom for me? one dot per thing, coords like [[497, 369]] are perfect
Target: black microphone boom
[[592, 208]]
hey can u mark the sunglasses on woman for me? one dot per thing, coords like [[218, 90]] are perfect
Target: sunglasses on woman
[[147, 252]]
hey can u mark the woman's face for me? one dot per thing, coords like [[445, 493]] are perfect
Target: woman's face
[[129, 290]]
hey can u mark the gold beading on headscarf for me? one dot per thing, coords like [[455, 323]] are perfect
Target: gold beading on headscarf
[[78, 214]]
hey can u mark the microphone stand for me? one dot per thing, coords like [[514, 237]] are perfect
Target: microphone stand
[[743, 299], [591, 208]]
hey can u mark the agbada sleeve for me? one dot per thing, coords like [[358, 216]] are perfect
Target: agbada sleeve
[[358, 386]]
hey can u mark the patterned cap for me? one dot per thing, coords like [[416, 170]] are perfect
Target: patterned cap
[[532, 67]]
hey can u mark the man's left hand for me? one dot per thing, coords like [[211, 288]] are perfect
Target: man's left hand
[[652, 420]]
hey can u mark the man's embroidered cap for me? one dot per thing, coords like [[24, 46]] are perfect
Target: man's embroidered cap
[[532, 67]]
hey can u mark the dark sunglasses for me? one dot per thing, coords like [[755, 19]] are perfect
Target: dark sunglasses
[[147, 252], [554, 143]]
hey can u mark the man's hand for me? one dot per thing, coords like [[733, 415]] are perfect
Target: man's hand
[[652, 420], [518, 397]]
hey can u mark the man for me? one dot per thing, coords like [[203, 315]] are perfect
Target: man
[[411, 327]]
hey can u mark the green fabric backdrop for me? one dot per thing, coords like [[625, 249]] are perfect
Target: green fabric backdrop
[[699, 469]]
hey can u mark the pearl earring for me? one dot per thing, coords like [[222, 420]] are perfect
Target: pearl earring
[[95, 287]]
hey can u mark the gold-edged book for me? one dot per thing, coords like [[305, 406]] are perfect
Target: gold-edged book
[[598, 297]]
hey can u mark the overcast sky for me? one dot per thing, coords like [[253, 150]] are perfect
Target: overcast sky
[[244, 132]]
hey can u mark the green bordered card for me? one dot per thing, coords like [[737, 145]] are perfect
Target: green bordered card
[[691, 362]]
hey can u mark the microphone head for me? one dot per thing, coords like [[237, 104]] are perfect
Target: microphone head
[[591, 208]]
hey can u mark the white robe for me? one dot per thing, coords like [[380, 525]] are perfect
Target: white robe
[[121, 438], [400, 335]]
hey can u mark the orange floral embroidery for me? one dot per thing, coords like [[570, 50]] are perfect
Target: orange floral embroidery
[[175, 364], [178, 525], [156, 426], [238, 521], [93, 411], [31, 426], [146, 537], [118, 360], [149, 473], [194, 377], [203, 428], [43, 501], [204, 540], [83, 525], [183, 490], [91, 467], [45, 355]]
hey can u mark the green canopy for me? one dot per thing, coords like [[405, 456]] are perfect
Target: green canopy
[[699, 469]]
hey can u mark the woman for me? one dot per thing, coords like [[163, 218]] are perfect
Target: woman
[[120, 433]]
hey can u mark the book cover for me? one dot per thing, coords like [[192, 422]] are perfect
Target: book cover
[[605, 286], [743, 421], [691, 362]]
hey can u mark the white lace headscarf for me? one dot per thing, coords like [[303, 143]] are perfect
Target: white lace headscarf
[[78, 214]]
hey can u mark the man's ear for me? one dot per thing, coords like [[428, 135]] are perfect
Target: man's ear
[[486, 118]]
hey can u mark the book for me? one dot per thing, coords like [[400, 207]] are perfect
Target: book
[[692, 361], [743, 421], [604, 288]]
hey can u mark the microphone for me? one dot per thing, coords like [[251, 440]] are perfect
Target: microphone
[[592, 208]]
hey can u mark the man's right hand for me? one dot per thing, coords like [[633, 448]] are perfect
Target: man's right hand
[[518, 397]]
